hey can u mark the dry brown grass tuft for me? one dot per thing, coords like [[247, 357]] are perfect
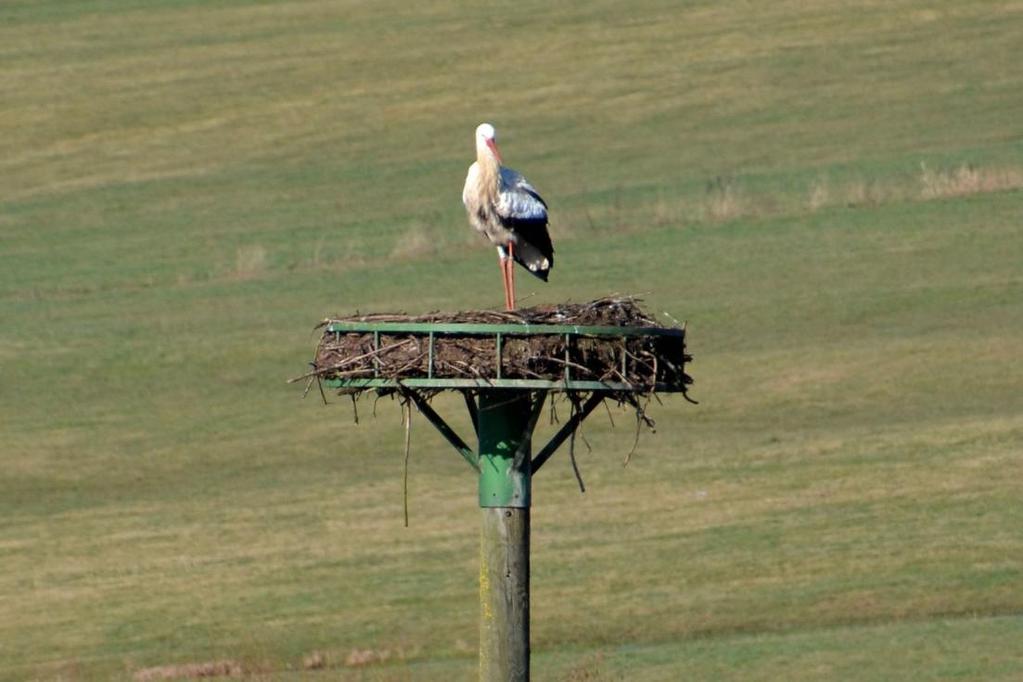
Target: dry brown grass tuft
[[362, 657], [673, 211], [590, 669], [724, 201], [967, 179], [315, 660], [869, 193], [190, 671], [820, 195], [250, 261], [414, 243]]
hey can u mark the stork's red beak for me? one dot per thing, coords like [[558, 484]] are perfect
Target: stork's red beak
[[493, 148]]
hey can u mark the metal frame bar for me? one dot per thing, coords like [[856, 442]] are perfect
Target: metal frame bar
[[458, 328], [535, 384], [429, 360]]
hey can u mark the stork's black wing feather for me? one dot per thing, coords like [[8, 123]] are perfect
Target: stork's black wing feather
[[523, 211]]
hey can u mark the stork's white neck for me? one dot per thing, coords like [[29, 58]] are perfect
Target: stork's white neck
[[485, 153]]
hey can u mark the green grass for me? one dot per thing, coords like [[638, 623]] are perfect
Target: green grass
[[829, 195]]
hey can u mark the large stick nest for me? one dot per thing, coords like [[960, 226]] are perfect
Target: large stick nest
[[642, 364]]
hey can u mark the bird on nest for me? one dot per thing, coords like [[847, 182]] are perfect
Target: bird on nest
[[506, 209]]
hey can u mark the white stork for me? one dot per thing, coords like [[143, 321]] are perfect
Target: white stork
[[508, 211]]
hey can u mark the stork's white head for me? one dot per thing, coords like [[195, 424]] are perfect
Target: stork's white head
[[486, 131], [486, 138]]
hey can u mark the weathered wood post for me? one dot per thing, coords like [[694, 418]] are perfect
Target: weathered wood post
[[505, 433]]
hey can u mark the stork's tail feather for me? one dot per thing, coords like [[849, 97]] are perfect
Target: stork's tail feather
[[534, 260]]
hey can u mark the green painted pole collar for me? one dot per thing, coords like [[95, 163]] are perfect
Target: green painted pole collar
[[505, 430]]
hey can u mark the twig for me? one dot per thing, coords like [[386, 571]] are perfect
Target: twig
[[609, 417], [308, 385], [413, 362], [582, 435], [347, 361], [641, 419], [635, 443], [408, 446], [471, 370], [351, 372], [622, 377], [570, 364], [576, 409], [645, 364], [670, 317]]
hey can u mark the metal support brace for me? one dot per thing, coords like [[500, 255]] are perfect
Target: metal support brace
[[474, 414], [464, 450], [566, 431]]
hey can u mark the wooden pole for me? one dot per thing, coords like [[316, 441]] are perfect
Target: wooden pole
[[504, 595], [506, 420]]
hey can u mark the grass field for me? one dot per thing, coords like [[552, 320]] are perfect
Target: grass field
[[831, 195]]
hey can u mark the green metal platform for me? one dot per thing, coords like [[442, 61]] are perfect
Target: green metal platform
[[671, 341]]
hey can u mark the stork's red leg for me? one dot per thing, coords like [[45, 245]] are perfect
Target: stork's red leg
[[504, 282], [511, 276], [502, 262], [509, 301]]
